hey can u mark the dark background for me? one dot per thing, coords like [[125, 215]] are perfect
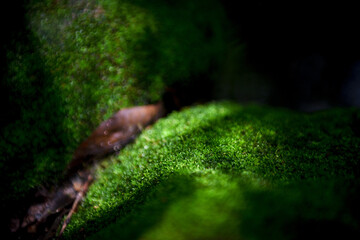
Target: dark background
[[14, 32], [307, 53], [309, 50]]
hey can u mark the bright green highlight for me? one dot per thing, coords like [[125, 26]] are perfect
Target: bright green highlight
[[225, 171]]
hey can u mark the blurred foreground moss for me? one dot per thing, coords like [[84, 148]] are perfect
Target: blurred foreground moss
[[225, 171]]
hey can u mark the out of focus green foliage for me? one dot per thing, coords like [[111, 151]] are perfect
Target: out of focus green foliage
[[78, 61]]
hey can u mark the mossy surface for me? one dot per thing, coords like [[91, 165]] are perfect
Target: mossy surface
[[75, 63], [225, 171]]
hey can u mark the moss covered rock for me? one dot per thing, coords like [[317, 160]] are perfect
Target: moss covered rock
[[225, 171]]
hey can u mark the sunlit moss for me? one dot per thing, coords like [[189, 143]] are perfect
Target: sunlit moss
[[220, 171]]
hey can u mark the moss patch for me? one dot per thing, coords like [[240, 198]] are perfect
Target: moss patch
[[224, 171], [74, 63]]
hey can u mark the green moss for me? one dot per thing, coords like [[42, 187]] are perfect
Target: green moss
[[75, 63], [228, 171]]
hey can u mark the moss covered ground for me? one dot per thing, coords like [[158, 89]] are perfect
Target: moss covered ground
[[226, 171]]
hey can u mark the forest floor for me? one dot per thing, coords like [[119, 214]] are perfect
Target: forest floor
[[228, 171]]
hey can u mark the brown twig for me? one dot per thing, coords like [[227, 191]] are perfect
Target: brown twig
[[52, 231], [78, 198]]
